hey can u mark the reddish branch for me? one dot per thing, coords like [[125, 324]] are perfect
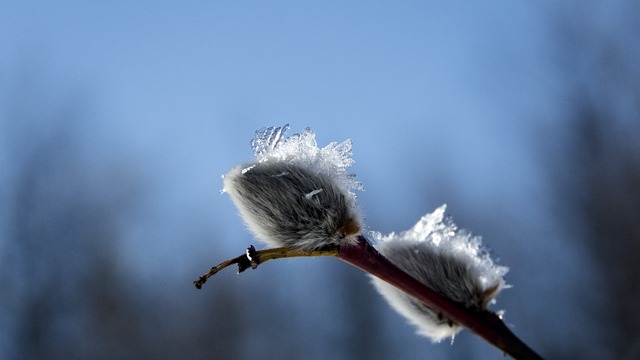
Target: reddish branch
[[483, 323]]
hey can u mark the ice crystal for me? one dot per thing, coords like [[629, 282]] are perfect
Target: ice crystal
[[272, 144]]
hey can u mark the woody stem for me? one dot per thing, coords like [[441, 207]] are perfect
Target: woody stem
[[365, 257], [483, 323]]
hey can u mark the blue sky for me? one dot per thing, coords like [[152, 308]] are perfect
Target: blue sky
[[445, 102]]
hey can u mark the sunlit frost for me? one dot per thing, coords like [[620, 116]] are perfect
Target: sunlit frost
[[449, 260], [310, 195], [440, 234], [267, 139], [272, 144]]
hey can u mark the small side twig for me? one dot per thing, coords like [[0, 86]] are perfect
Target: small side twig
[[252, 258]]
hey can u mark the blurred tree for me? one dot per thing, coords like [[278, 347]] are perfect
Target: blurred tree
[[60, 233], [64, 294], [598, 179], [363, 332], [604, 190]]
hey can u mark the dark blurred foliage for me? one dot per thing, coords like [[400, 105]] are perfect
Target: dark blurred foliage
[[596, 177], [63, 295]]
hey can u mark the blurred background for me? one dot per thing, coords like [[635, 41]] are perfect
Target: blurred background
[[118, 118]]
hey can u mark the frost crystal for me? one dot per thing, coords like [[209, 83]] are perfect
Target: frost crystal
[[450, 261], [295, 194], [309, 196], [267, 139], [271, 144]]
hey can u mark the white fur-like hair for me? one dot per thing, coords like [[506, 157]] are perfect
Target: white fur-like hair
[[453, 263], [287, 205]]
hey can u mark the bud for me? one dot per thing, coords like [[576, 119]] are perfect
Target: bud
[[296, 195], [451, 262], [298, 199]]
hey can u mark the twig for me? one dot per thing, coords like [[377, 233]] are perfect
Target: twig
[[252, 258], [483, 323]]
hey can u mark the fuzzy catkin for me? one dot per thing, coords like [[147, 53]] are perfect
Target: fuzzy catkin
[[444, 274], [449, 261], [287, 205], [447, 274]]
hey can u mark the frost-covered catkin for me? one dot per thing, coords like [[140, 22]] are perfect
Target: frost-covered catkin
[[296, 195], [447, 260]]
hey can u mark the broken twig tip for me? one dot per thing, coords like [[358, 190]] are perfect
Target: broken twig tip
[[198, 283], [253, 257]]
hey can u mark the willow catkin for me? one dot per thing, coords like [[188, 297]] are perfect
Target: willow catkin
[[287, 205]]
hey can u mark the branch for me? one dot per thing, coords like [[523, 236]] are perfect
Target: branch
[[362, 255], [253, 258], [483, 323]]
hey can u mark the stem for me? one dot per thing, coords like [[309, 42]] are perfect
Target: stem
[[252, 258], [483, 323], [365, 257]]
